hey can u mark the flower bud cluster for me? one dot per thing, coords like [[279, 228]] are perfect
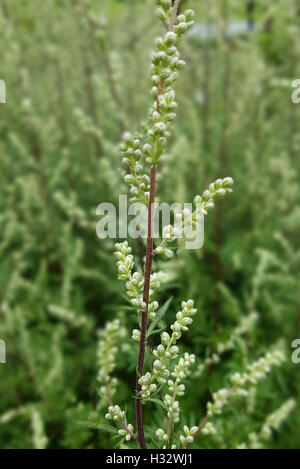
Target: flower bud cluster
[[202, 203], [209, 429], [127, 433], [272, 422], [180, 372], [125, 260], [173, 407], [135, 281], [148, 387], [156, 279], [182, 369], [161, 435], [135, 285], [188, 436], [155, 282], [164, 9], [255, 372], [162, 249], [183, 319], [176, 388], [166, 64], [184, 22], [168, 350], [106, 354], [136, 335], [115, 413], [216, 189], [219, 399], [139, 182], [259, 369]]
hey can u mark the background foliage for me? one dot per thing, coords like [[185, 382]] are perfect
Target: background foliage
[[77, 77]]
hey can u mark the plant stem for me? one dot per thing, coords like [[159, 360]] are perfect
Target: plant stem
[[174, 15], [147, 274], [148, 265]]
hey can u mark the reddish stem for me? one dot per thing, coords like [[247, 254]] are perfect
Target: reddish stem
[[148, 265]]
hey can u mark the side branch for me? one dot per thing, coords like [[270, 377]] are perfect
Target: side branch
[[174, 15]]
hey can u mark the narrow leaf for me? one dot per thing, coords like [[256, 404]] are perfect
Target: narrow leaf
[[160, 314]]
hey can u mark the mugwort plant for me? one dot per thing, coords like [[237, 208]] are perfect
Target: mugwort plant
[[162, 381]]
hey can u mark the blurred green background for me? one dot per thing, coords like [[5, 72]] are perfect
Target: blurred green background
[[77, 76]]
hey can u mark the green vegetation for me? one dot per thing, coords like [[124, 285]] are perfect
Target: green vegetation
[[77, 75]]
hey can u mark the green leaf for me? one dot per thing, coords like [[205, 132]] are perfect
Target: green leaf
[[107, 428], [160, 314], [156, 446], [97, 426], [156, 331], [137, 372], [156, 401]]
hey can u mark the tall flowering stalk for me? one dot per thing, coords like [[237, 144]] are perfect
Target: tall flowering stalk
[[166, 64], [163, 382]]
